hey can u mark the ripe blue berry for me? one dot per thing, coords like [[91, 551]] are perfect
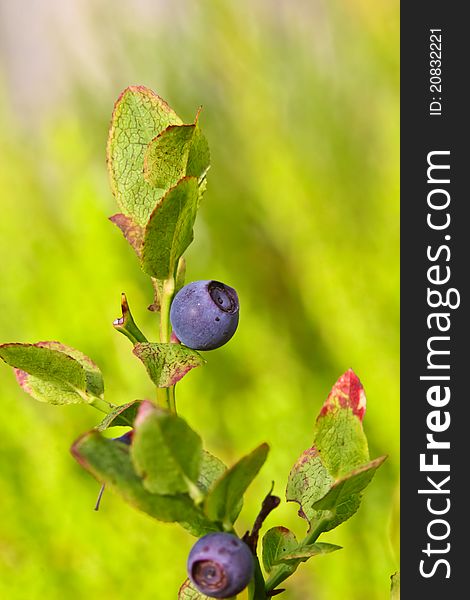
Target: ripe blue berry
[[125, 438], [220, 565], [204, 314]]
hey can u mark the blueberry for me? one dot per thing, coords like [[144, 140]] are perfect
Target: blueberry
[[204, 314], [125, 438], [220, 565]]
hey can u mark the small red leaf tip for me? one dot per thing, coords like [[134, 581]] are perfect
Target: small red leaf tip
[[347, 392], [21, 377], [283, 529], [23, 380], [145, 409]]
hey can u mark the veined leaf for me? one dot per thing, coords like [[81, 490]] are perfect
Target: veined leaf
[[139, 116], [277, 542], [211, 469], [169, 230], [303, 552], [344, 497], [223, 501], [328, 479], [167, 363], [165, 451], [178, 151], [282, 554], [110, 463], [121, 416], [198, 158], [54, 373], [338, 433]]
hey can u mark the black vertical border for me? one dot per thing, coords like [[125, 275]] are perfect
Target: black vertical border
[[420, 134]]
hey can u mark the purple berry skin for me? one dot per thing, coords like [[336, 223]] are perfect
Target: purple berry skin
[[220, 565], [204, 314], [125, 438]]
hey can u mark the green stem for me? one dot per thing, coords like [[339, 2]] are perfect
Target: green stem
[[163, 398], [168, 289], [102, 405], [256, 588], [172, 398], [316, 529], [278, 576], [166, 396]]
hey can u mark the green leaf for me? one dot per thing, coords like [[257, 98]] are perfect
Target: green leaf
[[331, 475], [169, 230], [166, 452], [282, 554], [139, 116], [198, 158], [167, 363], [121, 416], [110, 463], [309, 480], [277, 542], [188, 592], [222, 503], [54, 373], [166, 156], [211, 469], [303, 552], [344, 496], [177, 151], [338, 433], [395, 586]]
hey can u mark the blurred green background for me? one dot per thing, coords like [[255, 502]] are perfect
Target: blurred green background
[[300, 106]]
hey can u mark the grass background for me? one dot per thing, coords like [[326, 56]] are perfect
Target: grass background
[[300, 106]]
